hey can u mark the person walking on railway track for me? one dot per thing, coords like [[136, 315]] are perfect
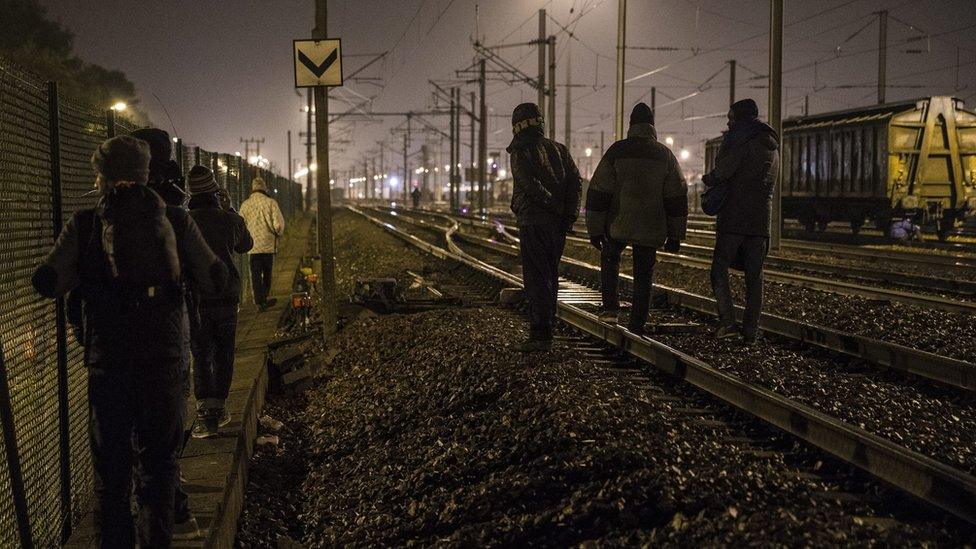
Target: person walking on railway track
[[215, 326], [637, 197], [747, 163], [266, 225], [127, 256], [545, 201]]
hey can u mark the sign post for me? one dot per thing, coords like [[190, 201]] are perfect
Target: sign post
[[318, 65]]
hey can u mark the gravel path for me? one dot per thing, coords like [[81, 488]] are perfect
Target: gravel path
[[428, 429]]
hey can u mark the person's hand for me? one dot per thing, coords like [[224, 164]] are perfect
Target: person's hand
[[672, 245], [597, 241]]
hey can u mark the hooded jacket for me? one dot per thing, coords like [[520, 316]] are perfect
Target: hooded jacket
[[547, 183], [226, 234], [264, 222], [748, 161], [638, 194]]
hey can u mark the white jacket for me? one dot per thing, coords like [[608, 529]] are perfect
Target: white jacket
[[264, 222]]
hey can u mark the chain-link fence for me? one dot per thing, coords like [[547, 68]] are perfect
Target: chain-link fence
[[46, 142]]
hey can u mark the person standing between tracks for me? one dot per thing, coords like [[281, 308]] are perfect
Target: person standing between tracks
[[215, 330], [748, 162], [546, 201], [266, 225], [637, 197], [127, 257], [415, 196]]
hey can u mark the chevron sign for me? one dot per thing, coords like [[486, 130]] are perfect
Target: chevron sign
[[317, 63]]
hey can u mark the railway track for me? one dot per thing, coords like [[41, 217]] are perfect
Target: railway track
[[944, 486]]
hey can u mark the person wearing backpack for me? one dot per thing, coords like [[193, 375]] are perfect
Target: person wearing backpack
[[637, 197], [266, 225], [545, 201], [216, 330], [126, 257], [747, 165]]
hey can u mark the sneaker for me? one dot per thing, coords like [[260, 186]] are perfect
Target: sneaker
[[610, 317], [187, 529], [726, 331], [206, 426], [224, 417], [534, 346]]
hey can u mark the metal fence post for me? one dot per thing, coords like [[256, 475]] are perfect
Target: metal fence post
[[196, 156], [110, 123], [13, 459], [61, 328]]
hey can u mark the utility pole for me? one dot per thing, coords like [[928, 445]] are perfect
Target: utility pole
[[330, 315], [569, 93], [552, 88], [542, 60], [731, 81], [654, 102], [424, 182], [621, 51], [882, 54], [482, 142], [451, 183], [308, 150], [406, 163], [806, 105], [474, 158], [365, 178], [775, 109]]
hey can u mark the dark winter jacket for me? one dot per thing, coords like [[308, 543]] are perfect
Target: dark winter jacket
[[547, 183], [638, 194], [226, 234], [748, 161], [118, 325]]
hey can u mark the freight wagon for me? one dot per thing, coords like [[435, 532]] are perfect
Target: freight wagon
[[909, 159]]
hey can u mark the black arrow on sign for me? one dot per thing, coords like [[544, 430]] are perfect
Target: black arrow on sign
[[318, 70]]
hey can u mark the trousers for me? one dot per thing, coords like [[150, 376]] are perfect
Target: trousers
[[262, 265], [644, 258], [213, 354], [749, 252], [136, 411], [542, 248]]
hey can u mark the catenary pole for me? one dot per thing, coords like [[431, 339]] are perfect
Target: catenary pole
[[731, 81], [542, 61], [882, 54], [569, 93], [323, 192], [618, 107], [482, 141], [551, 115], [775, 109]]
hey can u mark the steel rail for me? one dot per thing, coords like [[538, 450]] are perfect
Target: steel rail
[[938, 368], [937, 483]]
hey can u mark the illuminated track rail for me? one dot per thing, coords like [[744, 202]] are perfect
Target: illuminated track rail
[[937, 483]]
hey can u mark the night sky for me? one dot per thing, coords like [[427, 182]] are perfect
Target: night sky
[[224, 69]]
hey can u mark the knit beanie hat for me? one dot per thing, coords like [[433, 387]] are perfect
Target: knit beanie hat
[[122, 158], [160, 146], [258, 184], [642, 114], [201, 180], [527, 115], [743, 110]]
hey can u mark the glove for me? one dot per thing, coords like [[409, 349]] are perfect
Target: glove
[[597, 241], [672, 245]]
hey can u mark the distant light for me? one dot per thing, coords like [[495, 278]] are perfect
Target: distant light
[[276, 191], [436, 169], [301, 173], [332, 182], [502, 172], [491, 160], [459, 165], [589, 151], [176, 140], [447, 167], [685, 153], [393, 183], [307, 108], [669, 140], [313, 166], [237, 153], [253, 159], [119, 106]]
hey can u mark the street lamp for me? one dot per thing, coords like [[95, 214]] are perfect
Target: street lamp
[[669, 140], [119, 106], [685, 153]]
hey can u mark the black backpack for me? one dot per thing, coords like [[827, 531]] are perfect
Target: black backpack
[[128, 243]]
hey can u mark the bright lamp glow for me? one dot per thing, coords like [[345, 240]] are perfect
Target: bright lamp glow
[[669, 140], [589, 151], [119, 106], [685, 153]]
